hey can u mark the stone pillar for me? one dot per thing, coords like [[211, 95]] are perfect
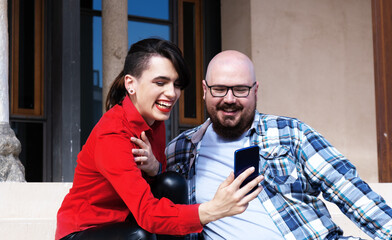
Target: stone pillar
[[4, 100], [11, 169], [114, 42]]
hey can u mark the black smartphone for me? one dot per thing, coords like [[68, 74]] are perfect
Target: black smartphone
[[245, 158]]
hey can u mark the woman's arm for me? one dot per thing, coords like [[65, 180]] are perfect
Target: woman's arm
[[114, 160], [228, 200]]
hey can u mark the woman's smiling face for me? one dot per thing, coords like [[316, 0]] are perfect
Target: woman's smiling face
[[156, 90]]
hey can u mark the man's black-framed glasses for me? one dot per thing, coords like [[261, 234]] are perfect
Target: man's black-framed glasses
[[238, 91]]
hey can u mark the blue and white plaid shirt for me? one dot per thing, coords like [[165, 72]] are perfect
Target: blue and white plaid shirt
[[298, 164]]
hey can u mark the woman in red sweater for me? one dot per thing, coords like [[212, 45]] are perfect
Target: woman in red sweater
[[111, 196]]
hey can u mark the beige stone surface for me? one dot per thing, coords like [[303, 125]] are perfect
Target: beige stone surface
[[236, 26], [314, 61], [28, 210]]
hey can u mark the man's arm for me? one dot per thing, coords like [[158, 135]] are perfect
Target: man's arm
[[337, 178]]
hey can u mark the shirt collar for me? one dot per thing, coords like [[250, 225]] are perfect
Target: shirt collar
[[257, 126], [198, 135]]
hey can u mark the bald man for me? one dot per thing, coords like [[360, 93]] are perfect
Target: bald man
[[297, 163]]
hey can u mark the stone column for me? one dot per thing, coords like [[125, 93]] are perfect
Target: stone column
[[4, 100], [114, 42], [11, 169]]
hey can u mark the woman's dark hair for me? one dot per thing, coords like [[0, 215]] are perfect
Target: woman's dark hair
[[137, 61]]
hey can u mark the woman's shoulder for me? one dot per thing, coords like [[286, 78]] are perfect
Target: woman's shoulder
[[112, 121]]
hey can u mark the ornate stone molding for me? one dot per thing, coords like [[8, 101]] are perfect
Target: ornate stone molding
[[11, 169]]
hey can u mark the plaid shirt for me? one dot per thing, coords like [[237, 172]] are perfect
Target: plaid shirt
[[298, 164]]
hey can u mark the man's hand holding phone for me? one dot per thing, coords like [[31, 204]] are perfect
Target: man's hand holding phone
[[239, 188], [245, 158], [230, 199]]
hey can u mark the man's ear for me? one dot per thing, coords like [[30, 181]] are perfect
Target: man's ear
[[204, 89], [256, 88]]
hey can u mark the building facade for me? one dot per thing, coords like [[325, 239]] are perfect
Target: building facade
[[320, 61]]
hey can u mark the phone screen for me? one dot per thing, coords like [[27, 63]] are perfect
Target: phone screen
[[245, 158]]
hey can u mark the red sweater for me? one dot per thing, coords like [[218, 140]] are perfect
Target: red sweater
[[108, 185]]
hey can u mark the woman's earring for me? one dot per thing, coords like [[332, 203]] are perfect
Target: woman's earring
[[131, 91]]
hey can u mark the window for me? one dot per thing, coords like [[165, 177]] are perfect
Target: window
[[91, 72], [27, 58], [26, 75], [143, 21], [190, 41]]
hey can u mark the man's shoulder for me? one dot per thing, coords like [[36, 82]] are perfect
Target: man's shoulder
[[187, 134], [266, 121], [272, 117]]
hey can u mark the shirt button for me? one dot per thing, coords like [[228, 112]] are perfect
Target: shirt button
[[192, 155]]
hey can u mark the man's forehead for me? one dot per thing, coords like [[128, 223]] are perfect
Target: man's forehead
[[229, 78], [230, 83]]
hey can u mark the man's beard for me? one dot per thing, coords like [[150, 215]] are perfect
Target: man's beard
[[235, 131]]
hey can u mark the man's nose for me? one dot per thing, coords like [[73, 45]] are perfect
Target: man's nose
[[229, 98]]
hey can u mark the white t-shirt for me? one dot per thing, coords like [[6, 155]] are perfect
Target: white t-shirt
[[213, 166]]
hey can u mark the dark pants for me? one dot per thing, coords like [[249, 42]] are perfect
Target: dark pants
[[169, 184]]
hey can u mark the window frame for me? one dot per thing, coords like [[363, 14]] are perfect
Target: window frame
[[38, 110], [382, 25], [187, 121]]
